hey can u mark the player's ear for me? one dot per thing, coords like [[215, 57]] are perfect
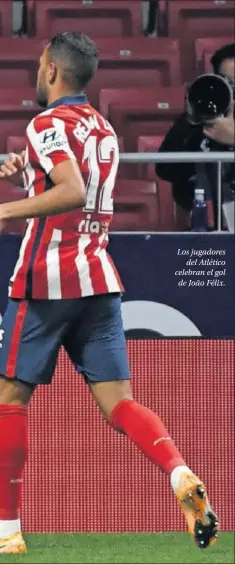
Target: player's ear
[[52, 73]]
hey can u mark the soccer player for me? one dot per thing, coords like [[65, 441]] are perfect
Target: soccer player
[[65, 289]]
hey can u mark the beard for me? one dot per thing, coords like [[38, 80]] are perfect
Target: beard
[[42, 98]]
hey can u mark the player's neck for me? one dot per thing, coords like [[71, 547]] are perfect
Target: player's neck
[[63, 94]]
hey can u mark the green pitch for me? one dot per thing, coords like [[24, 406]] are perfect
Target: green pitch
[[175, 548]]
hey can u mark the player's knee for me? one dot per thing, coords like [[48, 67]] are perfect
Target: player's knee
[[14, 392]]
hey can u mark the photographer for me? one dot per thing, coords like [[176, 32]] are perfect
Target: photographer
[[216, 136]]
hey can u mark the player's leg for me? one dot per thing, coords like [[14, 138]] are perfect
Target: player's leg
[[14, 398], [28, 353], [139, 423], [148, 432], [99, 351]]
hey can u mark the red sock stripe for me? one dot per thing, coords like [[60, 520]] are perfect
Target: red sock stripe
[[15, 341]]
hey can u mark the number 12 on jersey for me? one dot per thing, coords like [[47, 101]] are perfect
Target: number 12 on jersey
[[97, 153]]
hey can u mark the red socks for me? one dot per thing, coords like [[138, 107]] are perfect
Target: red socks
[[140, 424], [147, 431], [13, 455]]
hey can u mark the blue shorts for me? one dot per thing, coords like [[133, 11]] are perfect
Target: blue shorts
[[90, 329]]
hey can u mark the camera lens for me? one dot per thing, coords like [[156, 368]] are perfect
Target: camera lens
[[208, 97]]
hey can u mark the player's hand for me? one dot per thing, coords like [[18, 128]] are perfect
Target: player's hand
[[222, 130], [14, 164]]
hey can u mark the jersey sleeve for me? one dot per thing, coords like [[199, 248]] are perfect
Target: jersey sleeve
[[49, 141]]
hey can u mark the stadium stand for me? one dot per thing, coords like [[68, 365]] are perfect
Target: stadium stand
[[136, 206], [163, 98], [15, 114], [153, 118], [124, 62], [19, 62], [136, 63], [98, 19], [147, 144], [190, 19], [140, 86], [15, 144]]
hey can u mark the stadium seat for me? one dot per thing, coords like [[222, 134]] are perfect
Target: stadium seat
[[16, 144], [19, 62], [182, 218], [148, 119], [124, 62], [6, 16], [136, 63], [168, 220], [172, 216], [18, 97], [190, 19], [166, 204], [135, 204], [124, 170], [121, 144], [122, 166], [148, 145], [97, 19], [14, 118], [131, 96], [204, 49]]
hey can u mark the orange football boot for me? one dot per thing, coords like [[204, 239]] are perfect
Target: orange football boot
[[13, 545], [202, 522]]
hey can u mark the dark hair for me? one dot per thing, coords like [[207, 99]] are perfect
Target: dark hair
[[77, 56], [226, 52]]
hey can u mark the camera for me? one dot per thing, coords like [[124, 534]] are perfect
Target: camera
[[210, 96]]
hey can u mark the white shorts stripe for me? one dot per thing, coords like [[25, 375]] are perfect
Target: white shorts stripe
[[53, 266], [83, 267]]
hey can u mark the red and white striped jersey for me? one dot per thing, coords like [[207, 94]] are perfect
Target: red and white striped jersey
[[65, 256]]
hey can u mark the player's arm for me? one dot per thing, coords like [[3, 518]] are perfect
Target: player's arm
[[68, 193], [68, 190]]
